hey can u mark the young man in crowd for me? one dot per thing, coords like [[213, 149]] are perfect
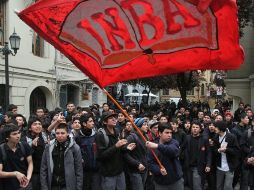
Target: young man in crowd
[[21, 122], [137, 158], [178, 134], [16, 164], [75, 127], [153, 132], [163, 119], [228, 117], [110, 155], [168, 151], [13, 108], [197, 156], [127, 130], [37, 141], [226, 149], [70, 111], [210, 133], [239, 130], [61, 165], [120, 122], [238, 112], [247, 146], [86, 141], [105, 107], [8, 117]]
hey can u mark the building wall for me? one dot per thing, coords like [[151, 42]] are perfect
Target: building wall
[[28, 72], [240, 82]]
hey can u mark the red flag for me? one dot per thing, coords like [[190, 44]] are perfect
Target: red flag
[[118, 40]]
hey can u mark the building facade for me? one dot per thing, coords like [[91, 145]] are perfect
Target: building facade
[[38, 74], [240, 83], [206, 91]]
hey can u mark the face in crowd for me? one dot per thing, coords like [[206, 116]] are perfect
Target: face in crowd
[[166, 135], [163, 119], [144, 128], [128, 126], [245, 120], [154, 129], [14, 137], [211, 127], [89, 124], [70, 107], [105, 107], [20, 121], [218, 118], [120, 118], [187, 125], [36, 128], [40, 113], [195, 130], [111, 121], [76, 124], [174, 126], [61, 135]]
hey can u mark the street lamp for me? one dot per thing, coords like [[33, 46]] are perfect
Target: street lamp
[[15, 43]]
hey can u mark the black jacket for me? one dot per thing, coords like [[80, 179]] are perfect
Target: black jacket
[[232, 151], [180, 137], [250, 167], [136, 156], [168, 154], [239, 131], [248, 147], [246, 142], [204, 154], [110, 158]]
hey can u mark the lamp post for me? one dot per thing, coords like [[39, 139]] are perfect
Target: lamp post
[[15, 43]]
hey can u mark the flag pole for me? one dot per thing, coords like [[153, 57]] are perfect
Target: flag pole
[[133, 124]]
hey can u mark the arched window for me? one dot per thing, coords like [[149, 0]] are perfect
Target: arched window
[[38, 45], [69, 93], [95, 95], [37, 99], [190, 92]]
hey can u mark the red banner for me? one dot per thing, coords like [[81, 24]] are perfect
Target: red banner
[[117, 40]]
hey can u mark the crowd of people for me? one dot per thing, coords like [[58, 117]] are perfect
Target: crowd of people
[[97, 148]]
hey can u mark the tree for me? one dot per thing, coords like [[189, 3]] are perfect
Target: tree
[[181, 81]]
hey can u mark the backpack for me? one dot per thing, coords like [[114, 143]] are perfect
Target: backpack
[[106, 139], [3, 152]]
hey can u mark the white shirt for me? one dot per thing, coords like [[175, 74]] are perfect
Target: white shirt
[[224, 163]]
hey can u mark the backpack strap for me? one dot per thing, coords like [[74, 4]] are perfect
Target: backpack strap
[[3, 152], [102, 130], [22, 148], [249, 136]]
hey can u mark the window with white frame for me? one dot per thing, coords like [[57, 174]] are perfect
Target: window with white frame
[[38, 45], [1, 23]]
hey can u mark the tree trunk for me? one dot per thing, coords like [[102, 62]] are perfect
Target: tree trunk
[[183, 86]]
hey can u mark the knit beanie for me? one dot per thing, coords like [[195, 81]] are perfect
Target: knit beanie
[[139, 122]]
